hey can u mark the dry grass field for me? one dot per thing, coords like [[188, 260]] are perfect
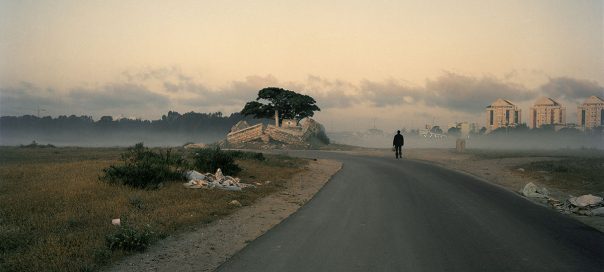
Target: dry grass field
[[575, 171], [55, 213]]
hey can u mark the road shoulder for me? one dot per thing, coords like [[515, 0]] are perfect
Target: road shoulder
[[210, 245]]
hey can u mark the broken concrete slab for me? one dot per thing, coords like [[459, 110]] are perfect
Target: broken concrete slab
[[585, 200], [598, 211]]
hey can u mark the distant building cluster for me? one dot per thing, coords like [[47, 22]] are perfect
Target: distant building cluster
[[545, 111]]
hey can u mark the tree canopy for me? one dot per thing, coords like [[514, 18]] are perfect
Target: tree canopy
[[289, 104]]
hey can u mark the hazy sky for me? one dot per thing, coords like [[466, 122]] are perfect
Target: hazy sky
[[402, 62]]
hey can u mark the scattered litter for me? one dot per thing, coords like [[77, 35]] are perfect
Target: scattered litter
[[192, 174], [217, 180], [219, 175], [116, 222], [235, 203], [520, 169]]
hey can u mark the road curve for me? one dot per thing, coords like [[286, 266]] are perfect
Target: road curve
[[382, 214]]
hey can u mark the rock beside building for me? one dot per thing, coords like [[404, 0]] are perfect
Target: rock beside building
[[305, 134]]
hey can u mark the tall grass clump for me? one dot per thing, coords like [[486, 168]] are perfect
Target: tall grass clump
[[129, 238], [210, 159], [141, 167]]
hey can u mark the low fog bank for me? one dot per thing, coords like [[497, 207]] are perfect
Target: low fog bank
[[173, 129], [111, 139], [528, 141]]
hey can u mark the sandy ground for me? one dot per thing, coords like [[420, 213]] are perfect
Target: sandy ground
[[210, 245], [501, 171]]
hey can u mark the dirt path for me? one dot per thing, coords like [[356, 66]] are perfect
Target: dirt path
[[209, 246]]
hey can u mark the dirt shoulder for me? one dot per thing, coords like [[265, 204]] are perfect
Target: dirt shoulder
[[503, 171], [205, 248]]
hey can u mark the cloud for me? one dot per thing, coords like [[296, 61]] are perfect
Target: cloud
[[470, 94], [118, 96], [159, 73], [330, 93], [27, 98], [571, 88], [109, 99], [388, 93], [235, 93], [152, 91]]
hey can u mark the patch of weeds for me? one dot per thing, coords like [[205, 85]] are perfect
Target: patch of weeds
[[12, 238], [236, 154], [579, 175], [144, 168], [285, 161], [210, 159], [102, 256], [129, 238], [73, 223], [136, 202]]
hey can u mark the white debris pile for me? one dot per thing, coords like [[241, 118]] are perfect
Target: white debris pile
[[218, 180], [590, 205], [534, 191]]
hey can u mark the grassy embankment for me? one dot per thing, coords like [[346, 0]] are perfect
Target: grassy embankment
[[576, 171], [55, 214]]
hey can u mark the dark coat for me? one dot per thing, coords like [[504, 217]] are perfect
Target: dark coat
[[398, 140]]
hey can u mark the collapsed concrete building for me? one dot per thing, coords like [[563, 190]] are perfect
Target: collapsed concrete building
[[304, 133]]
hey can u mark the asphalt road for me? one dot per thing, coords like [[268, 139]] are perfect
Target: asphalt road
[[382, 214]]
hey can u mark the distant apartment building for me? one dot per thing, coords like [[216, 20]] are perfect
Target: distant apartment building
[[465, 128], [547, 111], [502, 113], [590, 114]]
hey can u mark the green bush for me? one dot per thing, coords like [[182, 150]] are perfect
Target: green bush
[[129, 238], [210, 159], [143, 168]]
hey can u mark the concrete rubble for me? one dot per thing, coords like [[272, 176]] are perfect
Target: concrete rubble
[[588, 205], [209, 181], [534, 191], [585, 200]]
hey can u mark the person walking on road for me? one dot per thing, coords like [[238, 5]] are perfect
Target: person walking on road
[[398, 143]]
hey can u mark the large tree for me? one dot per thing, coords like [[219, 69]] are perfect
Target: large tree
[[284, 103]]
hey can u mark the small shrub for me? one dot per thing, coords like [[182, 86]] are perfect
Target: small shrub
[[33, 144], [210, 159], [129, 238], [143, 168]]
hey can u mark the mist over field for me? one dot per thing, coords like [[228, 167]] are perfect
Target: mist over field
[[527, 141], [108, 139], [173, 129]]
